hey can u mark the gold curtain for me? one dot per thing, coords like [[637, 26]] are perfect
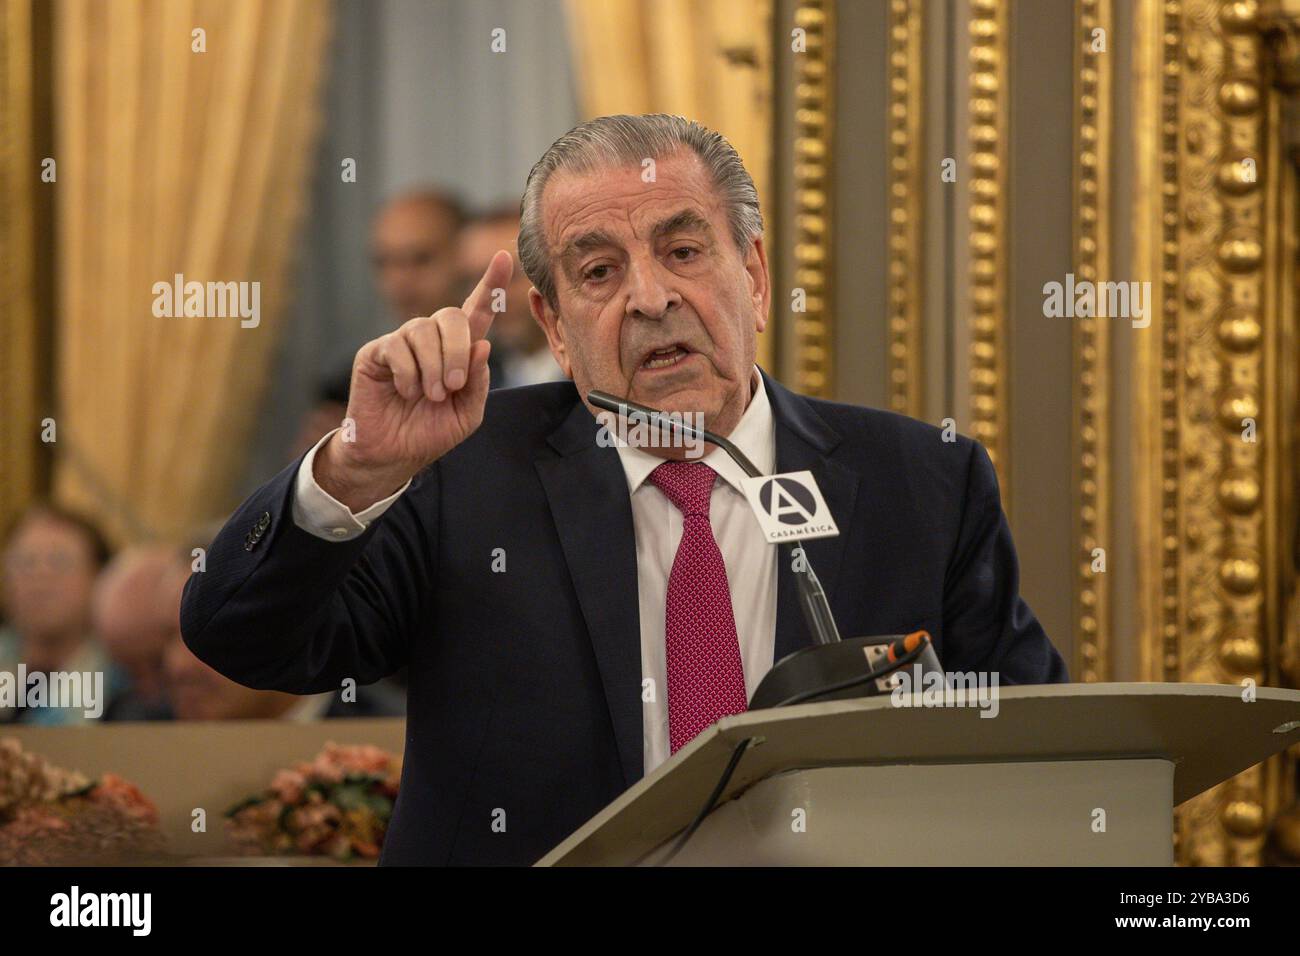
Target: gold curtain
[[709, 61], [179, 152], [21, 265]]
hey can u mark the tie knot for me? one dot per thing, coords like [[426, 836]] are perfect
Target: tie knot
[[687, 485]]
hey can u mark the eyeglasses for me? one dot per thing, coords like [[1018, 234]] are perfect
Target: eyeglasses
[[20, 563]]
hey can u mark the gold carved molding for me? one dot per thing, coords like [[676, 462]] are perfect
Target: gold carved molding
[[813, 334], [987, 245], [1091, 347], [1212, 445], [904, 105]]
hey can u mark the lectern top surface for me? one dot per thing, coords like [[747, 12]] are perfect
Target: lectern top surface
[[1210, 732]]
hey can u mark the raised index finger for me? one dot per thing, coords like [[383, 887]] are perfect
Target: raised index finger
[[478, 307]]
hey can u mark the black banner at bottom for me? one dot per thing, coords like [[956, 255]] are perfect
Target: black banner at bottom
[[366, 904]]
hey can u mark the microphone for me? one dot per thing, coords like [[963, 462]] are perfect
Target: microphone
[[833, 668], [812, 598]]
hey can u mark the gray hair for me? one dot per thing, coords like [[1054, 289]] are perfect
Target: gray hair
[[624, 140]]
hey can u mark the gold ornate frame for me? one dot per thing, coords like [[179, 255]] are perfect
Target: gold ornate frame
[[906, 201], [1091, 348], [812, 362], [987, 246], [1214, 450]]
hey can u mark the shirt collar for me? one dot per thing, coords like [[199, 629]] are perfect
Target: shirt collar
[[754, 435]]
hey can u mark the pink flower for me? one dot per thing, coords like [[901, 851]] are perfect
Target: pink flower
[[301, 815], [125, 797], [288, 785]]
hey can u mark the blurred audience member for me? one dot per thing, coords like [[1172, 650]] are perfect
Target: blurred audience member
[[51, 558], [197, 692], [325, 414], [520, 355], [134, 620], [200, 693], [413, 251]]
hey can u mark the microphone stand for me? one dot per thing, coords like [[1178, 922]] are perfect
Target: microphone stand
[[812, 598]]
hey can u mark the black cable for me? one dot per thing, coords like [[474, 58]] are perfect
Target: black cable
[[709, 804], [871, 675]]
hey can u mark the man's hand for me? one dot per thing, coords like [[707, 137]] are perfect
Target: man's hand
[[416, 394]]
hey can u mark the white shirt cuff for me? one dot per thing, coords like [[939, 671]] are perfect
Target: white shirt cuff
[[320, 514]]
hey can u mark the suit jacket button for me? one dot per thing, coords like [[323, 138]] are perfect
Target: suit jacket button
[[264, 522]]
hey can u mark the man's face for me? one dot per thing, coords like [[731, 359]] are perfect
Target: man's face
[[197, 692], [655, 301], [136, 612], [413, 257], [49, 571], [478, 243]]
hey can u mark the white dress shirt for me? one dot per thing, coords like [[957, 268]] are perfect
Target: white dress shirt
[[750, 560]]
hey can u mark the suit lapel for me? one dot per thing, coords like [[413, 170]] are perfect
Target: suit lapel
[[587, 492], [804, 442]]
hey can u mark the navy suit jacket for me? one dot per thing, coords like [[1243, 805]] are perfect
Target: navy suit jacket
[[524, 703]]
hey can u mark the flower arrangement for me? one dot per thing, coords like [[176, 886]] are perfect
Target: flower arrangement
[[52, 816], [337, 805]]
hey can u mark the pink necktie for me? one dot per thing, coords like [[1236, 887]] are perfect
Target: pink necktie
[[705, 679]]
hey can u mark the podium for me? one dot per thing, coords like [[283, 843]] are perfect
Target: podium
[[1060, 774]]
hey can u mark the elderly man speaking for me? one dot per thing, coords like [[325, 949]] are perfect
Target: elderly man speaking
[[571, 612]]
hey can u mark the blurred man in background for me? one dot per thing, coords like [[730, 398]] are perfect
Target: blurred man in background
[[328, 407], [134, 620], [197, 692], [520, 354], [51, 558], [413, 251]]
